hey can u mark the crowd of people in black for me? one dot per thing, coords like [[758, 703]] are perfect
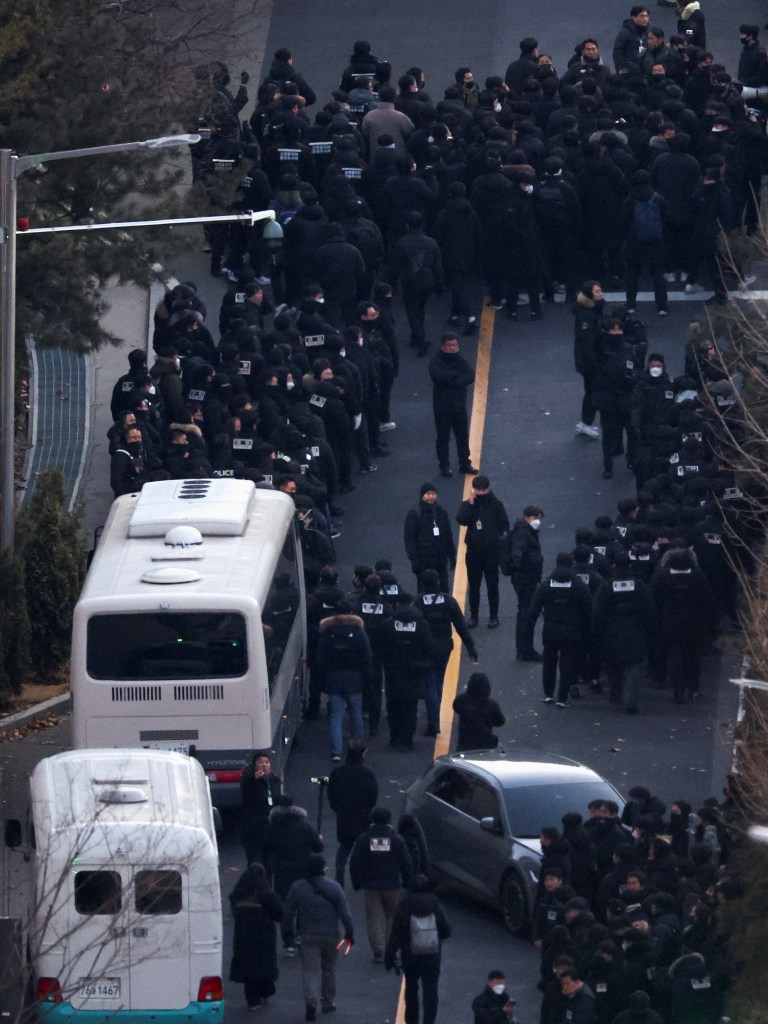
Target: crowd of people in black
[[525, 185]]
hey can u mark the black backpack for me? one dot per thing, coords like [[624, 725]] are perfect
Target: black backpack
[[551, 206]]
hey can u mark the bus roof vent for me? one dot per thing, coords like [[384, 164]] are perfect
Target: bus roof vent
[[171, 574], [183, 537], [213, 507], [124, 795]]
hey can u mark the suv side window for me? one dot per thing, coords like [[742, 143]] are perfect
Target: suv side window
[[453, 787], [484, 802]]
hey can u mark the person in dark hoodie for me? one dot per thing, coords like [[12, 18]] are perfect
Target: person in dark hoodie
[[458, 232], [641, 222], [478, 715], [639, 1011], [255, 909], [695, 994], [566, 604], [422, 906]]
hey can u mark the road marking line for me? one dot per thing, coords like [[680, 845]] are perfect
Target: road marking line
[[476, 431]]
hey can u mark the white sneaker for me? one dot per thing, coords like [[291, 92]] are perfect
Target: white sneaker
[[230, 274], [388, 426], [663, 312], [523, 300], [263, 280], [683, 276], [588, 431], [691, 289], [670, 278]]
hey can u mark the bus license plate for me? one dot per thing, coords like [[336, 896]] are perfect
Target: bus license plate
[[103, 988], [178, 745]]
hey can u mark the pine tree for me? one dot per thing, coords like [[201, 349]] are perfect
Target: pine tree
[[15, 630], [54, 567]]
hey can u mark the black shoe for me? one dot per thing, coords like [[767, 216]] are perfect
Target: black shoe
[[538, 315], [493, 623], [311, 1012], [468, 469], [454, 319], [472, 622], [446, 471], [531, 656]]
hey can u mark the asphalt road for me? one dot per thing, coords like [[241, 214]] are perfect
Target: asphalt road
[[531, 454]]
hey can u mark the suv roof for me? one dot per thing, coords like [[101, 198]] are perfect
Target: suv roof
[[518, 766]]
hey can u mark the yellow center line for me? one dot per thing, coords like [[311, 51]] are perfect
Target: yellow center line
[[476, 433]]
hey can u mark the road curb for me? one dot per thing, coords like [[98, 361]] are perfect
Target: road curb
[[61, 704]]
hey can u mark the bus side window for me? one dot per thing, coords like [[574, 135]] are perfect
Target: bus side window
[[279, 615]]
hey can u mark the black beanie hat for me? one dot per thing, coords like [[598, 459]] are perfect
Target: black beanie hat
[[425, 488]]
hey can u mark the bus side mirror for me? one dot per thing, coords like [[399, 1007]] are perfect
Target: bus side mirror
[[13, 833]]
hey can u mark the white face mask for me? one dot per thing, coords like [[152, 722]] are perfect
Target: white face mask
[[535, 523], [528, 189], [153, 390], [498, 989], [290, 385], [656, 371], [178, 364], [320, 300], [497, 107], [343, 353]]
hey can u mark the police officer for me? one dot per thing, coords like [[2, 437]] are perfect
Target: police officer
[[525, 567], [407, 657], [442, 614], [622, 623], [375, 612], [487, 522], [381, 866], [428, 537], [567, 605]]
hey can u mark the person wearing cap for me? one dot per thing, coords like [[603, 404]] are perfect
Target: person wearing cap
[[486, 522], [525, 564], [428, 537], [451, 376], [623, 621], [567, 605]]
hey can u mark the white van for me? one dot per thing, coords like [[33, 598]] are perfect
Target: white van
[[126, 921]]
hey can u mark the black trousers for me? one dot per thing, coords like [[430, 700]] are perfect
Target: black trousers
[[565, 654], [479, 564], [372, 695], [683, 663], [615, 423], [588, 410], [415, 302], [447, 420], [427, 970], [525, 588], [401, 715]]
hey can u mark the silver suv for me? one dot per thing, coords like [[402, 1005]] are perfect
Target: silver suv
[[476, 817]]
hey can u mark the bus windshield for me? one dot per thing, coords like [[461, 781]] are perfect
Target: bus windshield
[[170, 645]]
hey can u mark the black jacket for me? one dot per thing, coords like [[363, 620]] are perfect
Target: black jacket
[[567, 606], [415, 260], [451, 375], [488, 1007], [478, 715], [352, 794], [588, 318], [442, 614], [486, 521], [407, 654], [623, 619], [525, 557], [257, 798], [288, 842], [380, 860], [254, 945], [425, 548], [458, 232]]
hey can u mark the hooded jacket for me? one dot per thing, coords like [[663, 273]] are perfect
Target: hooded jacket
[[380, 860], [478, 715], [343, 654], [288, 842]]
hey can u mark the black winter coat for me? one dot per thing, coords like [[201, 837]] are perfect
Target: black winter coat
[[288, 842], [341, 270], [407, 654], [458, 232], [623, 619], [442, 614], [352, 794], [653, 400], [486, 521], [588, 319], [254, 946], [567, 606], [415, 261], [478, 716], [380, 860], [685, 604], [425, 549], [451, 375], [257, 799], [526, 559]]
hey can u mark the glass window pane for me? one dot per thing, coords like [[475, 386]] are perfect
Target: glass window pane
[[454, 787], [172, 645], [484, 802], [532, 808], [97, 892], [158, 892]]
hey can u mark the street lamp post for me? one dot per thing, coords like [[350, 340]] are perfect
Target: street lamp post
[[11, 169]]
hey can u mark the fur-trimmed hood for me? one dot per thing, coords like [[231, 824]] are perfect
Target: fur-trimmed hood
[[346, 619]]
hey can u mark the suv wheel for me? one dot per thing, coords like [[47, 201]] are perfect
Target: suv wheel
[[514, 904]]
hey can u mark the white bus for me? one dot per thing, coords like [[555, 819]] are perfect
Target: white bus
[[190, 631]]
